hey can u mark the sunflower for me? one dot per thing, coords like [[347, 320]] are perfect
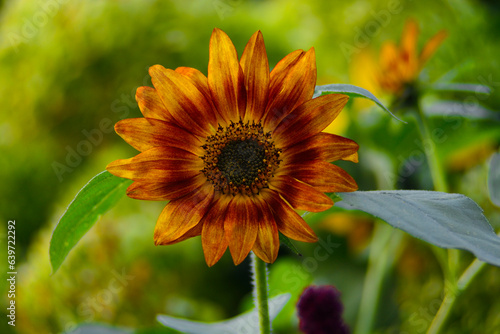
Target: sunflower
[[237, 151], [398, 67]]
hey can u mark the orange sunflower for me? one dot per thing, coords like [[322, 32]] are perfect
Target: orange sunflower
[[401, 66], [398, 67], [236, 152]]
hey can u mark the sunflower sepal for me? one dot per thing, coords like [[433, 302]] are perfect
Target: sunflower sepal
[[288, 243]]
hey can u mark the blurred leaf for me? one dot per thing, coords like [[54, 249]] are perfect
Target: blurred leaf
[[98, 196], [286, 241], [494, 179], [99, 329], [445, 220], [247, 323], [462, 87], [464, 109], [352, 91]]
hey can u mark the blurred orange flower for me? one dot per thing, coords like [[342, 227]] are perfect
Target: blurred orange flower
[[236, 152], [398, 66]]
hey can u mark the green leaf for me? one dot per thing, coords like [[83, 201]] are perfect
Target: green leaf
[[287, 242], [445, 220], [494, 179], [93, 200], [463, 109], [352, 91], [247, 323]]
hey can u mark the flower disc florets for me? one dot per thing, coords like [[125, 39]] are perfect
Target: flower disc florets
[[240, 158]]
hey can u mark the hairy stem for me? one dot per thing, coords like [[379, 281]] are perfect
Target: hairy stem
[[260, 293]]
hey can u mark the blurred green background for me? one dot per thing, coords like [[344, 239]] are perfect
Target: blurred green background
[[69, 70]]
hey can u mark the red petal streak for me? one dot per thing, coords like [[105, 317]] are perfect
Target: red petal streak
[[151, 105], [288, 221], [143, 134], [322, 175], [309, 119], [290, 87], [159, 164], [255, 67], [323, 146], [213, 237], [187, 105], [267, 243], [182, 214], [164, 191], [299, 194], [225, 77], [241, 227], [201, 82]]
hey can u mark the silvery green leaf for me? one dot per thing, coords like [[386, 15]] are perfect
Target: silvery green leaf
[[246, 323], [468, 109], [494, 179], [445, 220], [462, 87], [352, 91], [99, 329]]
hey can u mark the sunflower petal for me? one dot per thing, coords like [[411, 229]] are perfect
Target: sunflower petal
[[323, 176], [151, 105], [299, 194], [353, 157], [213, 236], [240, 227], [164, 191], [187, 105], [323, 146], [225, 77], [409, 38], [182, 214], [159, 164], [290, 86], [431, 46], [267, 244], [255, 67], [201, 82], [288, 221], [193, 232], [309, 119], [143, 134]]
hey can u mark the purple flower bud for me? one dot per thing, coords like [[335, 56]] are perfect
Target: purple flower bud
[[320, 311]]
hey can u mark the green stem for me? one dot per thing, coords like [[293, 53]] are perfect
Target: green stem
[[260, 293], [385, 242], [451, 295], [435, 167]]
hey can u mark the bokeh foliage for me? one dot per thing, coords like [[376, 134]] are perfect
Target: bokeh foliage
[[69, 69]]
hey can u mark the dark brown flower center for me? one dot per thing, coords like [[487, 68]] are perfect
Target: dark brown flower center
[[240, 158]]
